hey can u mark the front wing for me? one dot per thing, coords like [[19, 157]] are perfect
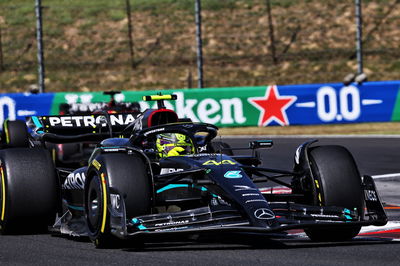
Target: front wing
[[220, 216]]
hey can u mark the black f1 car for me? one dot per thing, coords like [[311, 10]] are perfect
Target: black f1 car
[[153, 176], [76, 154], [112, 106]]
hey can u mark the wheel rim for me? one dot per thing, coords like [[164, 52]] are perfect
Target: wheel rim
[[93, 206]]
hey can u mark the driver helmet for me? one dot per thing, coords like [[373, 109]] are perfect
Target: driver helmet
[[174, 144]]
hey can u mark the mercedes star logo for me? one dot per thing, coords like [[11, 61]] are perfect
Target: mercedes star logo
[[264, 214]]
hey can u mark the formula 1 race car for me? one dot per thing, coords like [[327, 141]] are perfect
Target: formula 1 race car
[[112, 106], [153, 176], [77, 154]]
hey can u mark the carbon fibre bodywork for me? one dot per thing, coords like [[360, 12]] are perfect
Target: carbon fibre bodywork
[[209, 192]]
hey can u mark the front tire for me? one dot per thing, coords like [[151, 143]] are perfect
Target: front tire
[[336, 182], [97, 214], [120, 172]]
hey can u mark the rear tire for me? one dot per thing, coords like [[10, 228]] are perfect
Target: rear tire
[[15, 134], [126, 174], [337, 182], [28, 191]]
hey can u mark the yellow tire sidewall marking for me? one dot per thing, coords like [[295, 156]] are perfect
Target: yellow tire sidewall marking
[[104, 188], [6, 131], [3, 194]]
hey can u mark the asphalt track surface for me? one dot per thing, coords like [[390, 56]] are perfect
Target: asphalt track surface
[[375, 156]]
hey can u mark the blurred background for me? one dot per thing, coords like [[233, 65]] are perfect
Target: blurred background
[[92, 45]]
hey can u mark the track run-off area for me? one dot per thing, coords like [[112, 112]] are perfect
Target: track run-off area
[[378, 156]]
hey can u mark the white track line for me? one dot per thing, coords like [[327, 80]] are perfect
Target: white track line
[[386, 176], [281, 189], [391, 225], [394, 175]]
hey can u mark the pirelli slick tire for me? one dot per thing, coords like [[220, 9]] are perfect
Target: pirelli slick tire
[[337, 182], [120, 172], [221, 147], [28, 190], [15, 134]]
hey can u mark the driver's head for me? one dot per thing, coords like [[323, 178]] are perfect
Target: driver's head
[[174, 144]]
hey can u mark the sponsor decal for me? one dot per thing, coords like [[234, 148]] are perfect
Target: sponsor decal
[[213, 162], [208, 109], [233, 174], [250, 194], [324, 216], [154, 131], [89, 120], [243, 187], [169, 170], [96, 164], [203, 148], [171, 229], [106, 149], [75, 181], [370, 195], [272, 107], [115, 201], [255, 200], [219, 201], [172, 223], [344, 104], [201, 155], [264, 214]]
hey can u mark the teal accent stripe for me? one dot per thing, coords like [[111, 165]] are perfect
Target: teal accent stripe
[[136, 222], [76, 208], [37, 123], [142, 227], [172, 186]]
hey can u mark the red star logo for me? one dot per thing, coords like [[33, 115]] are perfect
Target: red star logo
[[272, 107]]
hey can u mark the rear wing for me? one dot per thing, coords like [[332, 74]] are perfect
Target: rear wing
[[70, 125]]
